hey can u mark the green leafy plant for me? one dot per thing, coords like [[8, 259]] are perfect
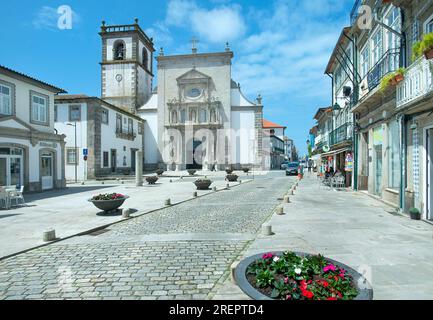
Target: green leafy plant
[[389, 79], [420, 47], [292, 277], [108, 196]]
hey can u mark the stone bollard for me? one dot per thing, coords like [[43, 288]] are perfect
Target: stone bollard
[[228, 186], [49, 235], [291, 192], [167, 202], [139, 169], [123, 182], [126, 213], [103, 182], [82, 183], [267, 229], [171, 181], [286, 199], [194, 194], [240, 181], [280, 210], [232, 271], [214, 189]]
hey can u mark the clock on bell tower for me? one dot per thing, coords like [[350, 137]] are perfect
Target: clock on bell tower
[[127, 69]]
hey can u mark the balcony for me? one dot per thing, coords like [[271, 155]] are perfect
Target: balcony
[[368, 87], [125, 135], [341, 134], [418, 82], [321, 141]]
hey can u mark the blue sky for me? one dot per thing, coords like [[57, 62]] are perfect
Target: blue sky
[[281, 47]]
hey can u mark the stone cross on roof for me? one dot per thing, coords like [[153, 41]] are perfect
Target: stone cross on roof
[[194, 42]]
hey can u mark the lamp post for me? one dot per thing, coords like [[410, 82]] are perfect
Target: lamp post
[[75, 148]]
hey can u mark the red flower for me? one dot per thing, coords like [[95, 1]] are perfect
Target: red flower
[[325, 284], [289, 297], [331, 299], [268, 256], [307, 294]]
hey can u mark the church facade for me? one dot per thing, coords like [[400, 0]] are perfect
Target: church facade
[[196, 117]]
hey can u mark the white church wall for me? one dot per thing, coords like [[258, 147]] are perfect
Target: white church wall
[[151, 151], [242, 148], [121, 88], [143, 91]]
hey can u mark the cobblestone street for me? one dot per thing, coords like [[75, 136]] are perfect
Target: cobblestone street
[[180, 252]]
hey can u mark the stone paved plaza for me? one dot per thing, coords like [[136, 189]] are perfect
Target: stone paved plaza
[[185, 251], [179, 252]]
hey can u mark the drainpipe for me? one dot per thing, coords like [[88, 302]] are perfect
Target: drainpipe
[[403, 142]]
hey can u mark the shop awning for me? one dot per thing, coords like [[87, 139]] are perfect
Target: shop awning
[[331, 153]]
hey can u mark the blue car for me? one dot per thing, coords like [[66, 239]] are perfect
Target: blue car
[[292, 168]]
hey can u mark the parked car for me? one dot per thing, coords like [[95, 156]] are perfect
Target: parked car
[[292, 168], [284, 165]]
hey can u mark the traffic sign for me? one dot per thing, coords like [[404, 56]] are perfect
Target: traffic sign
[[85, 152]]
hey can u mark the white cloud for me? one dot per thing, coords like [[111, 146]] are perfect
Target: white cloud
[[48, 18], [218, 24]]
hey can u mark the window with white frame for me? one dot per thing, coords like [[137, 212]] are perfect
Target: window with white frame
[[365, 61], [429, 25], [130, 126], [376, 47], [74, 113], [118, 123], [104, 116], [5, 99], [71, 156], [39, 108], [393, 41]]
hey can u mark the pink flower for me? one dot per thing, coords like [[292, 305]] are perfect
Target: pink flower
[[329, 267], [268, 256], [286, 280]]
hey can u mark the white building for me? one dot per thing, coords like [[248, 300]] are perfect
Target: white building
[[106, 135], [196, 118], [275, 132], [31, 153]]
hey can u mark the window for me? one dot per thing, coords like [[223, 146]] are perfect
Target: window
[[393, 42], [118, 123], [203, 116], [74, 113], [71, 156], [5, 99], [365, 61], [140, 128], [377, 47], [55, 113], [105, 116], [145, 59], [182, 116], [130, 126], [173, 116], [39, 108], [105, 159], [119, 50], [393, 155], [429, 26]]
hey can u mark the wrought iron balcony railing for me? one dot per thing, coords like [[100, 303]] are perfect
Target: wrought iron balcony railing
[[418, 81], [341, 134]]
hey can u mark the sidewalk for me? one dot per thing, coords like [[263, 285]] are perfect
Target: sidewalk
[[353, 228], [69, 212]]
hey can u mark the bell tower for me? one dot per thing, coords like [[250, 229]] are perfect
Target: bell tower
[[127, 68]]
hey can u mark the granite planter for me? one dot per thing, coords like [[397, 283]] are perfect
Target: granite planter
[[229, 170], [203, 184], [232, 178], [192, 172], [108, 205], [159, 172], [365, 291], [246, 170], [152, 180]]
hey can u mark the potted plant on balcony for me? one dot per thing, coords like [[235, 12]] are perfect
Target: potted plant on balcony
[[425, 46], [414, 214], [108, 201], [392, 79]]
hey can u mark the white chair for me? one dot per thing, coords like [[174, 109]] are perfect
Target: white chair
[[4, 197], [18, 196]]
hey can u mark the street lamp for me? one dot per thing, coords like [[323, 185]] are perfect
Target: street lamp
[[75, 152]]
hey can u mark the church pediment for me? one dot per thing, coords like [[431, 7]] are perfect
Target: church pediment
[[193, 76]]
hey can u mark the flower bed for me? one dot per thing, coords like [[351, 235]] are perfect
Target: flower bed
[[299, 276]]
